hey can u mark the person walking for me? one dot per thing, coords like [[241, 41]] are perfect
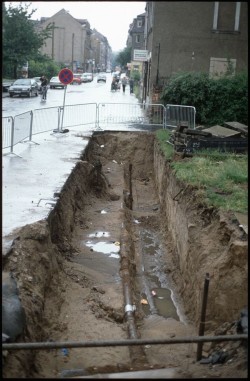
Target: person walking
[[124, 83], [131, 84], [44, 83]]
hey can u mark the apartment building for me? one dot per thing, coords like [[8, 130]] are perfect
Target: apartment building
[[74, 43], [136, 40], [187, 36]]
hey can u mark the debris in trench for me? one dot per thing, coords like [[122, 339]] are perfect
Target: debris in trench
[[13, 314], [242, 323], [218, 357], [144, 301], [229, 138]]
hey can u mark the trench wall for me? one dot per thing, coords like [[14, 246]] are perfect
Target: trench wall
[[204, 240]]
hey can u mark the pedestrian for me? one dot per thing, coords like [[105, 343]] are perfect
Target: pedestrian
[[44, 83], [124, 83], [131, 84]]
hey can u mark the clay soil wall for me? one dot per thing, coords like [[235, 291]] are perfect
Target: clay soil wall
[[204, 240]]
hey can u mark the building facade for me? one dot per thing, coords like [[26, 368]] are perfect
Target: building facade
[[136, 41], [190, 36], [74, 44]]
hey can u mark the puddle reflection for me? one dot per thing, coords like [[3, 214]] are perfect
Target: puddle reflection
[[104, 247]]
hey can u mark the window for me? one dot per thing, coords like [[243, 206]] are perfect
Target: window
[[137, 38], [226, 16], [139, 23], [221, 66]]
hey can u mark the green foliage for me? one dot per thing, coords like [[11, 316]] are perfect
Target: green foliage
[[216, 100], [21, 43], [163, 137], [123, 57], [135, 75], [45, 67]]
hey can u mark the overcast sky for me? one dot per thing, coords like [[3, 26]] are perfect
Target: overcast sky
[[110, 18]]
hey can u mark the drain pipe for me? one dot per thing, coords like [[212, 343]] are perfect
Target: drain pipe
[[137, 353], [125, 275]]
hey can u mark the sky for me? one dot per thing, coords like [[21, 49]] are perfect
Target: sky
[[110, 18]]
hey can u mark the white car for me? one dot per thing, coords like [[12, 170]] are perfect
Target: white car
[[55, 82], [87, 77]]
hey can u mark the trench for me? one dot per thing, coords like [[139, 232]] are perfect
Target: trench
[[117, 238], [118, 274]]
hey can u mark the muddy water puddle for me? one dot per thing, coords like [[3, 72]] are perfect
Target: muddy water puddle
[[158, 297]]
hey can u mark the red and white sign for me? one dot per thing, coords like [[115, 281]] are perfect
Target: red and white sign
[[66, 76]]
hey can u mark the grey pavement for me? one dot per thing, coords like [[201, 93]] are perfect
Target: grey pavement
[[33, 175]]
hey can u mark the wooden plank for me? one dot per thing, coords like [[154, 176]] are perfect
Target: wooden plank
[[220, 131], [238, 127]]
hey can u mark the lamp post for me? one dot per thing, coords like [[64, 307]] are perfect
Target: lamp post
[[73, 38], [53, 38], [157, 74]]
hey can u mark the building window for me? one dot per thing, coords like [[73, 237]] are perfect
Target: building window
[[139, 23], [137, 38], [221, 66], [226, 16]]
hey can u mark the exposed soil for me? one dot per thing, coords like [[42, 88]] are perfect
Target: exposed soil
[[123, 193]]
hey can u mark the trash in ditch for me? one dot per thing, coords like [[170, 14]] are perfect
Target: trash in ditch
[[114, 161], [65, 352], [160, 297], [144, 301], [102, 146], [153, 293], [117, 243]]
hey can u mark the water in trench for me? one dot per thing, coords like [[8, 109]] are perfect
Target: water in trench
[[157, 297]]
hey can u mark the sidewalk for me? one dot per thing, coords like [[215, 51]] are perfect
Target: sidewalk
[[31, 181]]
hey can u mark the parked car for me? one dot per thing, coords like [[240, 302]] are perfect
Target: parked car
[[55, 82], [101, 77], [37, 79], [87, 77], [24, 86], [77, 79]]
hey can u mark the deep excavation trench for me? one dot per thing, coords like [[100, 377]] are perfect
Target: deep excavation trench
[[124, 254]]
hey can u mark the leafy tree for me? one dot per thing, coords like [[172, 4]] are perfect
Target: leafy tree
[[46, 66], [21, 43], [124, 57]]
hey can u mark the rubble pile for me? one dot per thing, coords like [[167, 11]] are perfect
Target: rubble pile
[[232, 137]]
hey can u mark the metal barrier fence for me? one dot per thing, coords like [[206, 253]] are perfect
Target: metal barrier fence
[[7, 132], [102, 115], [177, 114], [45, 119], [78, 115], [130, 113]]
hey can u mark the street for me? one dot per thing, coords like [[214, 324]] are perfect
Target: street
[[91, 92]]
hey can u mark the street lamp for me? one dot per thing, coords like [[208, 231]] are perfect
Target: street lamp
[[53, 38], [73, 37]]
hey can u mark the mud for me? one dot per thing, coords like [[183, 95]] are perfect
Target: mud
[[125, 232]]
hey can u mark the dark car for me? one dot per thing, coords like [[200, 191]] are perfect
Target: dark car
[[101, 77], [24, 86]]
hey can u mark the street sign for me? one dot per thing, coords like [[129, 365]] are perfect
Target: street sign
[[140, 55], [66, 76]]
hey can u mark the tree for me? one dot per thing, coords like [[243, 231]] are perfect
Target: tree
[[124, 57], [21, 42]]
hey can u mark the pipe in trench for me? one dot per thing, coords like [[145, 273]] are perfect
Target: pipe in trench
[[137, 353]]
